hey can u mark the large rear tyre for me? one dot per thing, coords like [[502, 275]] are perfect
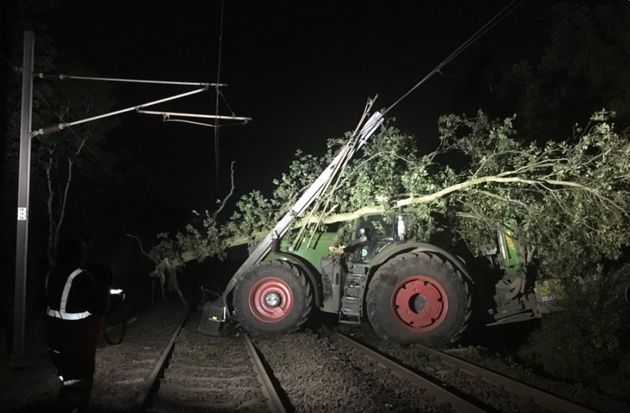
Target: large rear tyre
[[418, 297], [272, 298]]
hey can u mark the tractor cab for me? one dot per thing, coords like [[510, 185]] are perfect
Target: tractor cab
[[375, 232]]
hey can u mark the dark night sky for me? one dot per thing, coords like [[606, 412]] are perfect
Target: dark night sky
[[302, 70]]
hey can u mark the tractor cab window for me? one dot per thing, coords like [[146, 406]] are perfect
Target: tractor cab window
[[381, 231]]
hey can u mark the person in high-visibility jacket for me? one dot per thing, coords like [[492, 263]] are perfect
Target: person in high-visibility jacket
[[76, 304]]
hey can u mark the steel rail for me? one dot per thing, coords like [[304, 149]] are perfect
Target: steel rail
[[542, 398], [276, 405], [457, 403], [143, 399]]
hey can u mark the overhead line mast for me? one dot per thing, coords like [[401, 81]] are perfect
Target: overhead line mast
[[27, 133]]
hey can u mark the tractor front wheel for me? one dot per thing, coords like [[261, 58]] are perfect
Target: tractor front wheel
[[418, 297], [272, 298]]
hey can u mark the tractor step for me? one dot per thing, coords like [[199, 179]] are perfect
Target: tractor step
[[349, 317], [355, 322], [352, 300]]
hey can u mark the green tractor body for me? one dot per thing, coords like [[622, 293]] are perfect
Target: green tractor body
[[409, 291]]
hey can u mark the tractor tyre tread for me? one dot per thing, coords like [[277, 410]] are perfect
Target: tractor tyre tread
[[380, 309], [291, 274]]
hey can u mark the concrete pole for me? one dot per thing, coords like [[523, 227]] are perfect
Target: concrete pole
[[24, 178]]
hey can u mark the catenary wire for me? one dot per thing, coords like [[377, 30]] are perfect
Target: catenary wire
[[218, 97], [503, 13]]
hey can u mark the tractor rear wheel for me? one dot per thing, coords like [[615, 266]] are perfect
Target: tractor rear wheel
[[272, 298], [418, 297]]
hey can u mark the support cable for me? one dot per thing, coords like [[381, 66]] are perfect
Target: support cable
[[502, 14], [61, 76]]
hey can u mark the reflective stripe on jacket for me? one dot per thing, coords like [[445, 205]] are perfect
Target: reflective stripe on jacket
[[61, 313]]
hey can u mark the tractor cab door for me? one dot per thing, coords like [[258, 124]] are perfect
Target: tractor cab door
[[372, 234]]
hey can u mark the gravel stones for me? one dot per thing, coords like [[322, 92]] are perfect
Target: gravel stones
[[320, 375]]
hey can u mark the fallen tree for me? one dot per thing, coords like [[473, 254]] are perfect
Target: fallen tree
[[570, 198]]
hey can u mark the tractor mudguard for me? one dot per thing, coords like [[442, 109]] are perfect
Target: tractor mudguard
[[306, 267], [395, 249]]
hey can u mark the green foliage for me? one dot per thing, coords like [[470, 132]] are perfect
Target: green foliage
[[254, 213], [196, 242], [570, 200], [586, 341], [302, 171]]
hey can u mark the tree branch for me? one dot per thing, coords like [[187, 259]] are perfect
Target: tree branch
[[49, 206], [141, 247], [229, 195], [64, 201]]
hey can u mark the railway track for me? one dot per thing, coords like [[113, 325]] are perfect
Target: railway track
[[218, 374], [491, 391], [169, 366], [221, 374]]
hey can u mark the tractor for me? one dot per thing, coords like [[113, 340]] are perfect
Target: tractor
[[410, 291]]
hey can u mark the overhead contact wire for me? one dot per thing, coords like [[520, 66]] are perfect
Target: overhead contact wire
[[502, 14], [218, 98]]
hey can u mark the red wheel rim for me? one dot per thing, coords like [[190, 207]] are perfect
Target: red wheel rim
[[263, 297], [420, 303]]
